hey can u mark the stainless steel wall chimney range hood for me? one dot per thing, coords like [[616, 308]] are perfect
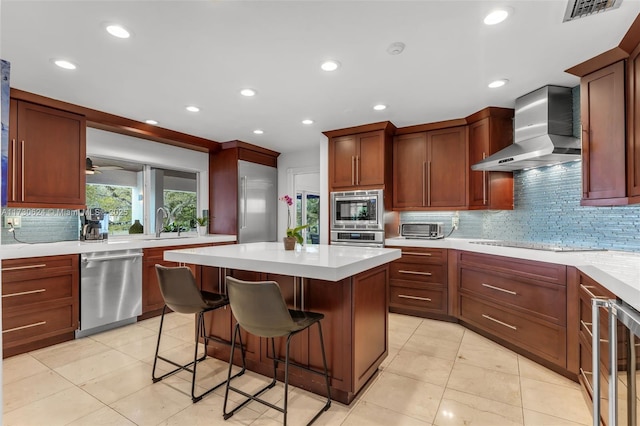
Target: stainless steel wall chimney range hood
[[543, 133]]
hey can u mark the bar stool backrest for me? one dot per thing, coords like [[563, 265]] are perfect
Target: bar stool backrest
[[179, 289], [259, 307]]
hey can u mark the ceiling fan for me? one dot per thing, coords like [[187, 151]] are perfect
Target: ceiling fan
[[91, 169]]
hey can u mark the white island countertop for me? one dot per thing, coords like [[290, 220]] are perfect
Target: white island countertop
[[319, 261], [617, 271]]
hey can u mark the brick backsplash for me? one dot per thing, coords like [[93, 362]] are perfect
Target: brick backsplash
[[42, 225], [547, 209]]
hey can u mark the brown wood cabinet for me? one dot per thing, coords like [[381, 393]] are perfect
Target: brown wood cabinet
[[430, 170], [46, 157], [633, 126], [490, 130], [602, 107], [40, 302], [418, 283], [360, 157], [223, 182], [522, 304]]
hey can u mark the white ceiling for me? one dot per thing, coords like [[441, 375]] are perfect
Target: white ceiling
[[204, 52]]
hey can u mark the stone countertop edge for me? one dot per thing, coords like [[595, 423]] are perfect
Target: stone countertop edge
[[617, 271], [126, 242], [323, 262]]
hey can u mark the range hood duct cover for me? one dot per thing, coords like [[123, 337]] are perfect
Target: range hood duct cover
[[543, 133]]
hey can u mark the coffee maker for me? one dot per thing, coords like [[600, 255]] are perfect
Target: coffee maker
[[95, 225]]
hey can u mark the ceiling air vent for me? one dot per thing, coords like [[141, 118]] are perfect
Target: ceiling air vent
[[581, 8]]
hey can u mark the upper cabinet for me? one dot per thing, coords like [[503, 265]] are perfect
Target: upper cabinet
[[430, 169], [360, 157], [490, 130], [46, 157], [609, 108]]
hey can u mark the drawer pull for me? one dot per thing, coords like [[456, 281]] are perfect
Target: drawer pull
[[504, 290], [402, 271], [22, 293], [413, 253], [513, 327], [17, 268], [404, 296], [35, 324], [586, 326], [586, 379], [591, 295]]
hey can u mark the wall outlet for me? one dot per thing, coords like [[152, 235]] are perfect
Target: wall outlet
[[455, 221], [16, 221]]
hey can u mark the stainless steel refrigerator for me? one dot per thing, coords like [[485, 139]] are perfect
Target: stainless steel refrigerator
[[257, 202]]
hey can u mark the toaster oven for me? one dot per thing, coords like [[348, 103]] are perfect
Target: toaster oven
[[427, 231]]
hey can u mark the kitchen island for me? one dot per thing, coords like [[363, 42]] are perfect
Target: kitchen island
[[349, 285]]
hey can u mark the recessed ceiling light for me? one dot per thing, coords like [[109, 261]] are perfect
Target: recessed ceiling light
[[379, 107], [248, 92], [496, 17], [498, 83], [330, 65], [192, 108], [152, 122], [307, 121], [62, 63], [258, 131], [118, 31]]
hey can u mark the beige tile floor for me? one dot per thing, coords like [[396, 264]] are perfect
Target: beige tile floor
[[436, 373]]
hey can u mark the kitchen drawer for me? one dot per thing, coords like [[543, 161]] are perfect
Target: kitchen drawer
[[427, 299], [542, 338], [34, 324], [55, 286], [539, 271], [423, 255], [547, 301], [425, 272], [16, 268]]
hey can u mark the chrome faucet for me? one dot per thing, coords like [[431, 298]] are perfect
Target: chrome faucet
[[161, 215]]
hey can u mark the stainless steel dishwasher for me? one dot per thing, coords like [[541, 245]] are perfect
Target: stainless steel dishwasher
[[110, 290]]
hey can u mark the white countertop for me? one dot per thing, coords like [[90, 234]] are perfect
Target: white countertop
[[320, 261], [617, 271], [125, 242]]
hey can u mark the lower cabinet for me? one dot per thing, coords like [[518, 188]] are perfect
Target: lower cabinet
[[40, 302], [418, 282], [521, 303]]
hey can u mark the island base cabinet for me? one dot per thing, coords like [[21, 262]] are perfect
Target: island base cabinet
[[354, 330]]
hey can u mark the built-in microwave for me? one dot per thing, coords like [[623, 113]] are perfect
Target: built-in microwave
[[357, 210]]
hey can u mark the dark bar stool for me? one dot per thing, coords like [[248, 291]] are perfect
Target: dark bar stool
[[181, 294], [260, 309]]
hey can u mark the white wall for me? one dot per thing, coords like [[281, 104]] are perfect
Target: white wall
[[290, 165], [116, 146]]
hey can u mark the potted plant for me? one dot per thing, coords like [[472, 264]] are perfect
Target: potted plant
[[293, 234], [202, 225]]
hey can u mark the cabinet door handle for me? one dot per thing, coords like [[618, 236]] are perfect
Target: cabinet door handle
[[504, 290], [23, 293], [429, 183], [22, 182], [484, 183], [16, 268], [14, 161], [424, 180], [35, 324], [357, 170], [404, 296], [402, 271], [353, 170], [590, 293], [412, 253], [490, 318], [586, 326]]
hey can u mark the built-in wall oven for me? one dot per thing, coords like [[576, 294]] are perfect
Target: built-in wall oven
[[357, 218]]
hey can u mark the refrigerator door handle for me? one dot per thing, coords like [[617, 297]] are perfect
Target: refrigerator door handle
[[243, 205]]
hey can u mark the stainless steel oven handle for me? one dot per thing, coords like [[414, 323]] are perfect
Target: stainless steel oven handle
[[86, 259]]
